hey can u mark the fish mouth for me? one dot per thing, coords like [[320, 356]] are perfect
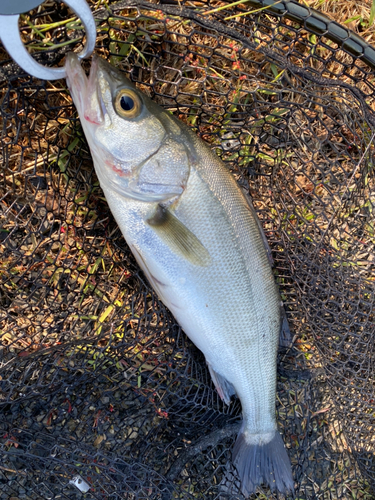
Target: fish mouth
[[84, 90]]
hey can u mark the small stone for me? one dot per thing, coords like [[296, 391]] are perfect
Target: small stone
[[133, 435]]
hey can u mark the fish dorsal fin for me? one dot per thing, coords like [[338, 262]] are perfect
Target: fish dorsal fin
[[178, 237]]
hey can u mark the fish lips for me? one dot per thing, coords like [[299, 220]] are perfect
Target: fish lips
[[84, 90], [87, 97]]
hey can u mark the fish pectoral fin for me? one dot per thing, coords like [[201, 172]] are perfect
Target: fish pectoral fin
[[223, 387], [178, 237]]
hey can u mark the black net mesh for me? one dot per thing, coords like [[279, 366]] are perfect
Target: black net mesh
[[101, 395]]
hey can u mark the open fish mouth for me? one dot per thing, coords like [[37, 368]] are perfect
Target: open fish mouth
[[84, 90]]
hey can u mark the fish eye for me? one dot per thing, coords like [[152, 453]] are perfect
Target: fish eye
[[127, 103]]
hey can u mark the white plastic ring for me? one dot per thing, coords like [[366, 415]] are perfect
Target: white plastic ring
[[10, 36]]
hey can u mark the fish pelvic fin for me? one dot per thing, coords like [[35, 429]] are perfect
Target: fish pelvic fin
[[261, 459], [223, 387], [178, 237]]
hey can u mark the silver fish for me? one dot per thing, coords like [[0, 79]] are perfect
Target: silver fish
[[198, 241]]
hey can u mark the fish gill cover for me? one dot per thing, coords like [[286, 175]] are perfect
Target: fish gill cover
[[101, 394]]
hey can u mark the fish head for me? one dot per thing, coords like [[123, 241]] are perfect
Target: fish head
[[139, 150]]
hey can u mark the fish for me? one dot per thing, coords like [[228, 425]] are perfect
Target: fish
[[197, 238]]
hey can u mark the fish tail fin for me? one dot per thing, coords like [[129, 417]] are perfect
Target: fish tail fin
[[262, 460]]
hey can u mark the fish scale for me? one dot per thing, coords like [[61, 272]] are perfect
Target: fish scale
[[198, 241], [244, 321]]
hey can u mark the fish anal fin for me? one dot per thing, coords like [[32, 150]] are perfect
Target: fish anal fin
[[178, 237], [224, 388]]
